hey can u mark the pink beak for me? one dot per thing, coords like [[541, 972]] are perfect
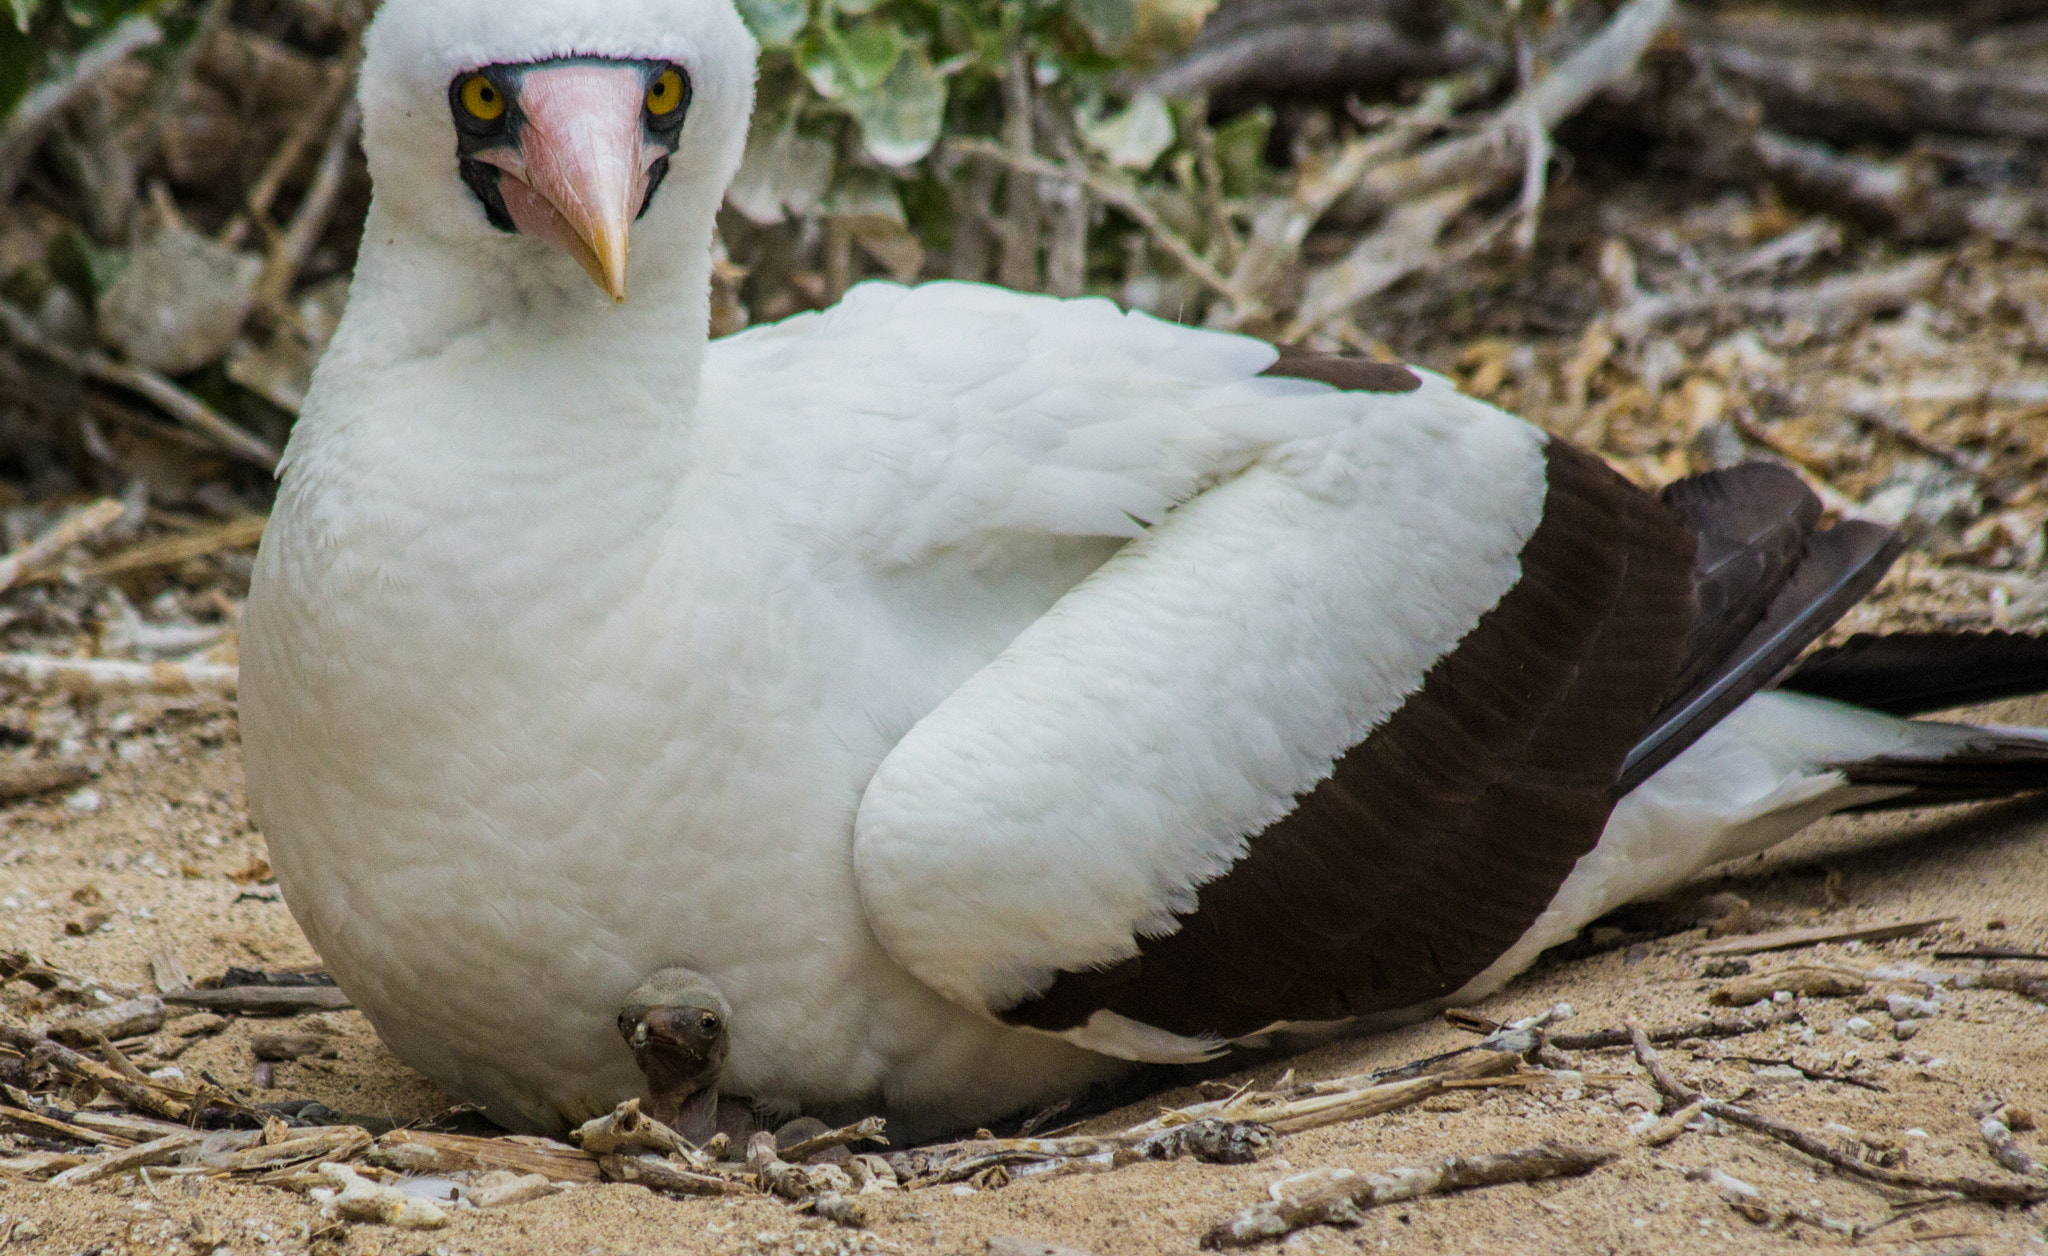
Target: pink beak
[[579, 176]]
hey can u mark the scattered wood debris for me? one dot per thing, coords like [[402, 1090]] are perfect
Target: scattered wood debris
[[1340, 1196], [1983, 1190], [1790, 939]]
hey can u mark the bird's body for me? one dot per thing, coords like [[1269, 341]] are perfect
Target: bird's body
[[900, 667]]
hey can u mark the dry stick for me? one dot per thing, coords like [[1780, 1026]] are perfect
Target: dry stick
[[147, 1097], [264, 192], [1840, 300], [1494, 155], [1402, 245], [33, 117], [1799, 1140], [1537, 147], [1789, 939], [143, 133], [1125, 199], [1997, 1135], [1341, 1199], [170, 551], [1422, 195], [140, 1157], [1222, 234], [80, 525], [1872, 411], [173, 400], [1018, 266], [26, 780], [261, 1000], [1066, 251], [120, 675], [1727, 1028], [867, 1130], [969, 255], [288, 256]]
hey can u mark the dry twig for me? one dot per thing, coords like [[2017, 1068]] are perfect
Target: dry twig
[[120, 676], [78, 526], [158, 389], [1800, 1141], [1342, 1196]]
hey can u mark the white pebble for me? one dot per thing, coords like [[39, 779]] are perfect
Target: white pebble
[[85, 800]]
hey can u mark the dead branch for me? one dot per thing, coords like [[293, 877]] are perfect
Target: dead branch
[[1017, 230], [668, 1177], [131, 1019], [1403, 244], [1419, 197], [288, 256], [78, 526], [26, 780], [1277, 233], [1863, 75], [423, 1151], [1800, 1141], [1788, 939], [41, 108], [868, 1130], [120, 676], [172, 550], [158, 389], [1831, 303], [626, 1128], [264, 192], [1273, 48], [1343, 1196], [261, 1000], [159, 1151], [1125, 198], [40, 1049], [1494, 156], [1602, 1039], [1997, 1135]]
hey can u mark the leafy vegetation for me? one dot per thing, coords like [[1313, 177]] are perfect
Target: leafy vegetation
[[44, 34]]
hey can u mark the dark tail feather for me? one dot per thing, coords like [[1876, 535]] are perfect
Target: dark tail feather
[[1836, 568], [1992, 763], [1912, 672]]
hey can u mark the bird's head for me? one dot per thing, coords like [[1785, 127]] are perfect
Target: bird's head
[[593, 127]]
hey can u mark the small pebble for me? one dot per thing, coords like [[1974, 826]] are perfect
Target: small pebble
[[1905, 1005], [1856, 1027], [85, 800]]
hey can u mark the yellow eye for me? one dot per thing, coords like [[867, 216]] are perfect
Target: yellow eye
[[666, 96], [483, 99]]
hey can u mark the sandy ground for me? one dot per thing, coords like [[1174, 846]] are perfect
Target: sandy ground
[[168, 837]]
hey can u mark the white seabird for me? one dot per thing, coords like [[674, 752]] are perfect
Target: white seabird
[[982, 690]]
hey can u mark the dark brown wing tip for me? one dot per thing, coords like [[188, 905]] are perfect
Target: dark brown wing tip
[[1346, 373]]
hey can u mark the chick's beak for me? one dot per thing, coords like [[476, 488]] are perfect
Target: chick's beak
[[579, 174]]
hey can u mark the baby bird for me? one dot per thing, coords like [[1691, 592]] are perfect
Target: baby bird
[[676, 1023]]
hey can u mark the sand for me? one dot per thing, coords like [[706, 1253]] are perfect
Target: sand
[[169, 836]]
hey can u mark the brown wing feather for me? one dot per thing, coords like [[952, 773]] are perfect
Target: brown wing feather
[[1438, 840]]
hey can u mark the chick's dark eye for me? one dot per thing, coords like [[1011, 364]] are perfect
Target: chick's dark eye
[[709, 1022]]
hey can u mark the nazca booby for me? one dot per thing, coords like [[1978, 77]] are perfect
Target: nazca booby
[[982, 690]]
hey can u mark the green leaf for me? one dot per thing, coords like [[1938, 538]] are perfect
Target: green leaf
[[784, 172], [900, 120], [845, 63], [775, 23], [1135, 137], [24, 12], [1111, 24], [1241, 151]]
